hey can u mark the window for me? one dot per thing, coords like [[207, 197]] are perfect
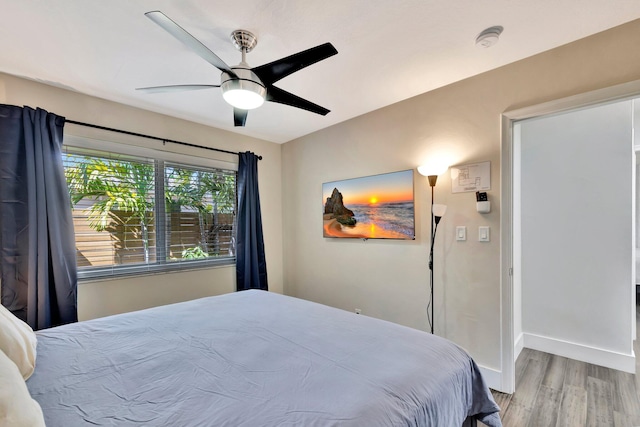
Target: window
[[133, 214]]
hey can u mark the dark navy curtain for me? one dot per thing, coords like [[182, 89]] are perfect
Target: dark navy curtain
[[251, 266], [38, 258]]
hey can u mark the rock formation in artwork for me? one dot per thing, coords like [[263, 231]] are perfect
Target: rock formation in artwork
[[336, 208]]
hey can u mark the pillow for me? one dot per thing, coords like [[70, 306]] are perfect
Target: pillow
[[17, 408], [18, 342]]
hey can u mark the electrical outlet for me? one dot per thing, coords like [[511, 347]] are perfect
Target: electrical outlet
[[358, 311]]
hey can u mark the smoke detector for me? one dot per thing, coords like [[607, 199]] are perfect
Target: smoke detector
[[489, 37]]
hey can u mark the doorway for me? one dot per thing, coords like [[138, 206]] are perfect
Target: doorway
[[570, 232]]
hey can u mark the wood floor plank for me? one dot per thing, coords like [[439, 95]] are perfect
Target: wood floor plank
[[521, 364], [525, 353], [573, 407], [599, 372], [502, 399], [624, 420], [576, 373], [517, 415], [547, 405], [530, 383], [554, 375], [556, 391], [521, 404], [625, 393], [540, 356], [600, 399], [571, 393]]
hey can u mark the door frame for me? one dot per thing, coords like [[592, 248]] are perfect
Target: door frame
[[596, 97]]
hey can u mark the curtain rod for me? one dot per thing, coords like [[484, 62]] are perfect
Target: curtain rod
[[164, 140]]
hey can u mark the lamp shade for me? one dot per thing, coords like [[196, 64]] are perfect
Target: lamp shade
[[431, 169], [439, 210]]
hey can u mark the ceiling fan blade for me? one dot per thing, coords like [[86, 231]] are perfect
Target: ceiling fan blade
[[188, 40], [174, 88], [280, 96], [239, 117], [276, 70]]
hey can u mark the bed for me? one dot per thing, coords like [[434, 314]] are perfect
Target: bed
[[254, 358]]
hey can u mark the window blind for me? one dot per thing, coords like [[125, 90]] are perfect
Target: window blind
[[136, 215]]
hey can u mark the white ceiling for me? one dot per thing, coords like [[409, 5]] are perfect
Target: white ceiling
[[388, 50]]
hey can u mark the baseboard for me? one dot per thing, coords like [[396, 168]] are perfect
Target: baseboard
[[492, 377], [519, 345], [596, 356]]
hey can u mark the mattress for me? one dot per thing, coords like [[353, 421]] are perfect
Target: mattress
[[253, 358]]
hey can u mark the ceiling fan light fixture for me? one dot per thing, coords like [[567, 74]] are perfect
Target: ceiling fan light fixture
[[245, 92], [244, 99]]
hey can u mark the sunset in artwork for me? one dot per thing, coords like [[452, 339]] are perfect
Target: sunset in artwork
[[394, 187], [378, 206]]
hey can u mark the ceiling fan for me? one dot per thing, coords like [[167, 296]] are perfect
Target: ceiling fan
[[243, 87]]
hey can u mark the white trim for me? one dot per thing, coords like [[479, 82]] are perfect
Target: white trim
[[133, 150], [596, 356], [507, 359], [492, 377], [518, 346], [600, 96], [609, 94]]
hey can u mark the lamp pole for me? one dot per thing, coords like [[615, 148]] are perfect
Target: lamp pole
[[437, 212], [432, 183]]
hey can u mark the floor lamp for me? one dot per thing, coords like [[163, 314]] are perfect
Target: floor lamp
[[437, 212]]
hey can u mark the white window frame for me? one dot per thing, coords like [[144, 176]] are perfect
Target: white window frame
[[159, 156]]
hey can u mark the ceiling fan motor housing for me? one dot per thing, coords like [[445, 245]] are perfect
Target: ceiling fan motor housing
[[246, 91], [247, 85]]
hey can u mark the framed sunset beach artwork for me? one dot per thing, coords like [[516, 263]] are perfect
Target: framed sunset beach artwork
[[371, 207]]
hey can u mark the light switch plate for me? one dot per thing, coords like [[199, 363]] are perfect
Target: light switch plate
[[461, 233], [484, 234]]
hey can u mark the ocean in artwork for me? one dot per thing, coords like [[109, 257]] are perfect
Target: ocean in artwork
[[395, 217]]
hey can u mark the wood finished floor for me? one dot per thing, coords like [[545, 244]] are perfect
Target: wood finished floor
[[556, 391]]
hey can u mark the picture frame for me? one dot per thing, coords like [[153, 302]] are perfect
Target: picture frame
[[371, 207]]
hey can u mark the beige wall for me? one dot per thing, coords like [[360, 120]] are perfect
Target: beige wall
[[105, 297], [460, 122]]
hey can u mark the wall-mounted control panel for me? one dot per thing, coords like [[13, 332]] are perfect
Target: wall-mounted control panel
[[482, 202]]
